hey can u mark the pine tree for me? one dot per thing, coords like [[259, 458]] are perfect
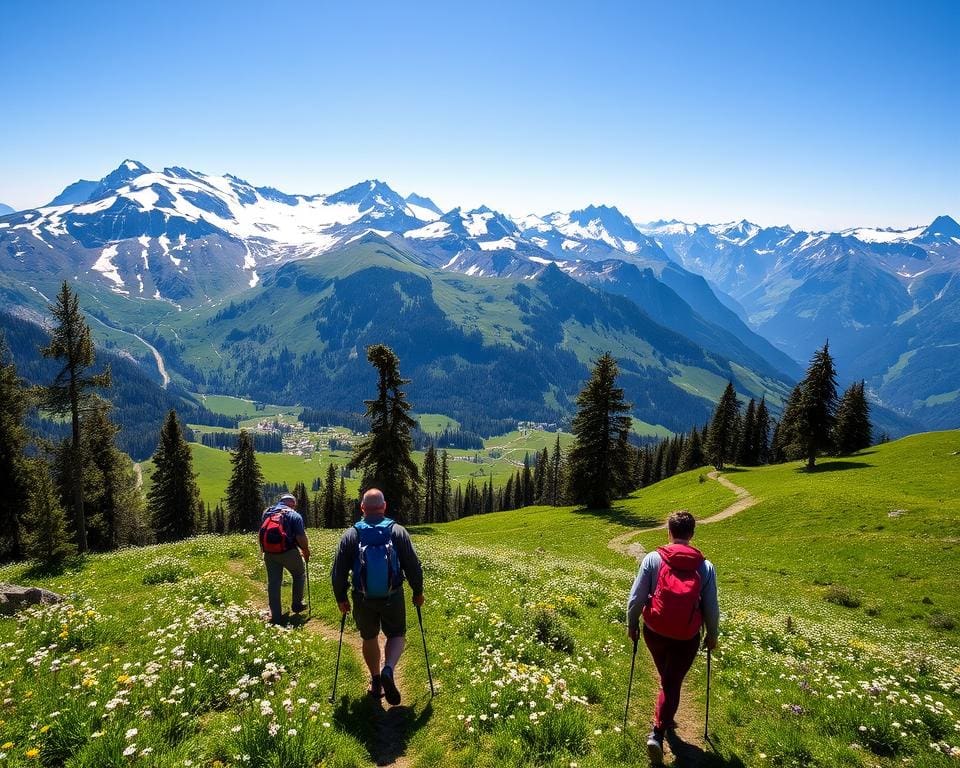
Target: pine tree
[[385, 454], [245, 491], [71, 389], [458, 503], [45, 536], [818, 406], [14, 468], [114, 502], [345, 507], [508, 494], [746, 449], [693, 456], [540, 475], [430, 485], [556, 471], [303, 502], [443, 491], [527, 482], [853, 431], [599, 460], [173, 500], [722, 437], [761, 433], [332, 516]]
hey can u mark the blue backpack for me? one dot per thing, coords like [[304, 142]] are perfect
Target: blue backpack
[[376, 570]]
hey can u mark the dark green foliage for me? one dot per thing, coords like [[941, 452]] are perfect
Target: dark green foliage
[[303, 504], [173, 500], [45, 536], [270, 442], [842, 596], [693, 456], [430, 485], [746, 450], [806, 427], [540, 475], [14, 470], [722, 437], [330, 512], [526, 480], [853, 431], [384, 455], [245, 491], [444, 511], [113, 501], [72, 389], [599, 463], [761, 433]]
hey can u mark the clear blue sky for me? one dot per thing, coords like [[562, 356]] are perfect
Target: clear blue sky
[[821, 115]]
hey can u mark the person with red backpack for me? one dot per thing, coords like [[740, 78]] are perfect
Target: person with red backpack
[[374, 556], [283, 541], [675, 593]]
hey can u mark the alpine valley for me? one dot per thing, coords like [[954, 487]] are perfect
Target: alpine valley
[[214, 285]]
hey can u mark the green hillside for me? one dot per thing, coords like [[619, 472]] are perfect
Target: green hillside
[[524, 617]]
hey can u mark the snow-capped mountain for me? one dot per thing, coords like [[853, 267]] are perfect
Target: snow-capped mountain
[[6, 209]]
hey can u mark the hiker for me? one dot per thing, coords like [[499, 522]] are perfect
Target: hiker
[[676, 594], [377, 554], [283, 541]]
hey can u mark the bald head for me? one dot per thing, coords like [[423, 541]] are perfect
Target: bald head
[[373, 502]]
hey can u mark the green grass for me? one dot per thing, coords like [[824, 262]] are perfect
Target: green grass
[[524, 617], [244, 409], [433, 423]]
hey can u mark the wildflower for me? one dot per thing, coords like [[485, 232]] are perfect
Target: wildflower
[[32, 753]]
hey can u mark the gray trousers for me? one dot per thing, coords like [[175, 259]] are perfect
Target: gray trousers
[[275, 564]]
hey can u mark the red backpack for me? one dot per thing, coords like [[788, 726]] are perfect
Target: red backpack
[[674, 609], [273, 533]]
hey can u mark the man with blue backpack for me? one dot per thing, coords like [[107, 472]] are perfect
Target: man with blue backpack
[[374, 557], [283, 541]]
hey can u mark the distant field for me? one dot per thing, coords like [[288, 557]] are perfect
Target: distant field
[[246, 409], [432, 423]]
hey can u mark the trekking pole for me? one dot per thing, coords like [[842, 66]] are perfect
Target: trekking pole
[[633, 662], [309, 601], [706, 722], [336, 671], [425, 656]]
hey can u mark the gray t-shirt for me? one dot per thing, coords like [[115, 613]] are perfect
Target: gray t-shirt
[[347, 553]]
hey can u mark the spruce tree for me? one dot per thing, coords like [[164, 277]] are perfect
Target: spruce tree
[[526, 482], [332, 515], [430, 485], [71, 389], [761, 433], [384, 455], [45, 536], [303, 503], [599, 467], [540, 476], [245, 491], [508, 494], [746, 448], [722, 437], [693, 456], [14, 467], [818, 406], [345, 507], [556, 473], [443, 491], [173, 500], [853, 431]]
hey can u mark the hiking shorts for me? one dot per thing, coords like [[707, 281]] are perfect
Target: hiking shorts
[[387, 614]]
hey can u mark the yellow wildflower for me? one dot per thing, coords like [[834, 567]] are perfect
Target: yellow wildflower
[[32, 753], [44, 729], [7, 745]]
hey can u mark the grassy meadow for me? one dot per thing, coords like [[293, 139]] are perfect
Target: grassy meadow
[[838, 641]]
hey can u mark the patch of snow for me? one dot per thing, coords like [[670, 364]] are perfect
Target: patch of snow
[[433, 230], [254, 279], [569, 245], [4, 225], [145, 244], [424, 214], [541, 260], [503, 242], [451, 262], [871, 235], [476, 222], [105, 266], [474, 270]]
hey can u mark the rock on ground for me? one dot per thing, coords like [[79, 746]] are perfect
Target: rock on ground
[[13, 598]]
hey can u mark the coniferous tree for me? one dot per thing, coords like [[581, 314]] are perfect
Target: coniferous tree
[[556, 472], [303, 503], [540, 475], [853, 431], [761, 433], [14, 468], [245, 491], [527, 485], [71, 389], [458, 502], [430, 485], [599, 467], [343, 505], [693, 456], [384, 455], [722, 437], [443, 491], [332, 516], [508, 494], [173, 500], [818, 406], [221, 519], [746, 448], [114, 502], [45, 536]]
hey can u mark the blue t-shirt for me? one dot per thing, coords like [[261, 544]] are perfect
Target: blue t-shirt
[[292, 521]]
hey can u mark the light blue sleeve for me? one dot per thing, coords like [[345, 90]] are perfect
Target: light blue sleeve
[[709, 604], [643, 587]]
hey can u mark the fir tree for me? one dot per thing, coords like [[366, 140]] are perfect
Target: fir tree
[[746, 448], [245, 491], [722, 437], [443, 491], [556, 472], [14, 468], [303, 503], [384, 455], [173, 500], [345, 507], [540, 475], [45, 536], [693, 456], [508, 494], [527, 481], [761, 433], [430, 485], [332, 516], [71, 389], [853, 431], [599, 461], [818, 406]]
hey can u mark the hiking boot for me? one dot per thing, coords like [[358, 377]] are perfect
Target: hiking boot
[[390, 691], [655, 747], [299, 608], [375, 690]]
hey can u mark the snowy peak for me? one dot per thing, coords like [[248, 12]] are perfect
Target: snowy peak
[[424, 208], [941, 228], [370, 194], [6, 209]]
